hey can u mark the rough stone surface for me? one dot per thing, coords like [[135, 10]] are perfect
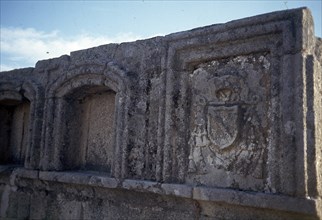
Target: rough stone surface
[[219, 122]]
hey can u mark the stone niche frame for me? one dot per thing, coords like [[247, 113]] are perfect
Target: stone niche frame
[[27, 92], [109, 77], [284, 37]]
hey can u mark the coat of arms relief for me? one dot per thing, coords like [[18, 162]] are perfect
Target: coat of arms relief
[[229, 126]]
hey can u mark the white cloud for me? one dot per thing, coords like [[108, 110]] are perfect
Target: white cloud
[[24, 47]]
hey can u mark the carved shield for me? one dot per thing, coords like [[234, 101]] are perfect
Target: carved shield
[[222, 125]]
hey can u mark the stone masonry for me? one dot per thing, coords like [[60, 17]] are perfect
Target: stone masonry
[[219, 122]]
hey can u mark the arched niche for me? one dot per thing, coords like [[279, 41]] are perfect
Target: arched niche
[[17, 105], [87, 117]]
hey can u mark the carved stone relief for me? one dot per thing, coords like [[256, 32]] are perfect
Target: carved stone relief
[[229, 125]]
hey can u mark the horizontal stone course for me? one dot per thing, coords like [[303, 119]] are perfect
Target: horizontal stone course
[[202, 193]]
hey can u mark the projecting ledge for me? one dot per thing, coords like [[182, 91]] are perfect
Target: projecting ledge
[[201, 193]]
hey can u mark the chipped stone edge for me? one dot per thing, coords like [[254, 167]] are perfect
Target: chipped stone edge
[[200, 193]]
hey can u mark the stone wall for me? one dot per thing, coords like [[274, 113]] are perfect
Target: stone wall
[[219, 122]]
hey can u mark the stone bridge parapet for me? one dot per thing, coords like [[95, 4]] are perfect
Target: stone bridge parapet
[[219, 122]]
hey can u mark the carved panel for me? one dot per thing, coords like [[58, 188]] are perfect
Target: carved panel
[[229, 122]]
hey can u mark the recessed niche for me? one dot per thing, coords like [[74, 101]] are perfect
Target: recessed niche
[[14, 131], [89, 129]]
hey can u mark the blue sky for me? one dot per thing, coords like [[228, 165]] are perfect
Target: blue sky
[[34, 30]]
